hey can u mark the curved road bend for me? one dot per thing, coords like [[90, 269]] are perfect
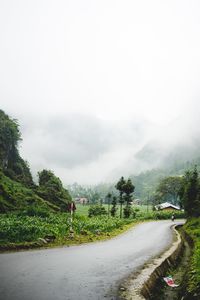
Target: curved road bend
[[86, 272]]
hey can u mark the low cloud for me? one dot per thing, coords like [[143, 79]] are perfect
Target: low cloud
[[87, 149], [80, 147]]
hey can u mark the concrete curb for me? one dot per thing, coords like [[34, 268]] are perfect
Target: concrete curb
[[140, 288]]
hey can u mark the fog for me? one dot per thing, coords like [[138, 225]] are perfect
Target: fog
[[101, 88]]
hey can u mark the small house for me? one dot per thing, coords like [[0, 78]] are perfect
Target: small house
[[81, 200], [166, 206]]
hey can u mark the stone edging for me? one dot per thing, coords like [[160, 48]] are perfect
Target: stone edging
[[140, 288]]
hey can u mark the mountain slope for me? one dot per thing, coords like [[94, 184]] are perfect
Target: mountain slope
[[17, 189]]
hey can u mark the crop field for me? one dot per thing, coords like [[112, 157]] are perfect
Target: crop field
[[83, 209], [18, 229]]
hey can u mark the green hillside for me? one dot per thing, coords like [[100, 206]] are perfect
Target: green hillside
[[16, 196], [17, 189]]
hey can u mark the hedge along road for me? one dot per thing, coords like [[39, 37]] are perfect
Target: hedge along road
[[86, 272]]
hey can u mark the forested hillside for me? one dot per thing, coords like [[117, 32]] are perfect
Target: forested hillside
[[146, 183], [17, 189]]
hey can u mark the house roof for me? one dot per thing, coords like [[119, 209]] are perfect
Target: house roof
[[166, 205]]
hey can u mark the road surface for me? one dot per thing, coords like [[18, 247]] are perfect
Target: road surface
[[86, 272]]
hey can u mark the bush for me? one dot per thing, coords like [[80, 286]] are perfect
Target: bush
[[34, 210], [96, 210], [127, 211]]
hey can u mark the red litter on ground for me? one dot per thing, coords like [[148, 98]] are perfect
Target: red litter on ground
[[170, 282]]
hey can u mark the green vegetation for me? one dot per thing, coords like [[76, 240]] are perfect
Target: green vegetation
[[192, 228], [114, 208], [126, 189], [168, 189], [11, 164], [119, 187], [96, 210], [19, 228], [146, 184], [15, 196], [51, 189], [157, 215], [18, 192], [25, 227], [190, 193]]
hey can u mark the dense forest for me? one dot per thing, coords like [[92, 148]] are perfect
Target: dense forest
[[17, 189]]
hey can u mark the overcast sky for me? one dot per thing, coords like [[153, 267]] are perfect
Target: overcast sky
[[92, 82]]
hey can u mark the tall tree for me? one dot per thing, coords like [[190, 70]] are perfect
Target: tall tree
[[190, 193], [113, 210], [128, 189], [169, 187], [120, 187]]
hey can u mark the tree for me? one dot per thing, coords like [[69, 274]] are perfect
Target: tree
[[128, 189], [113, 210], [125, 188], [120, 187], [169, 188], [190, 193]]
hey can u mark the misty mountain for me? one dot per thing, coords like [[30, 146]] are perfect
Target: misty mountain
[[178, 142]]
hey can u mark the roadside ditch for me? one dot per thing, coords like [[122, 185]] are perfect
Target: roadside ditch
[[149, 283], [178, 271]]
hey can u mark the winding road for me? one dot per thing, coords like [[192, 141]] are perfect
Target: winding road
[[86, 272]]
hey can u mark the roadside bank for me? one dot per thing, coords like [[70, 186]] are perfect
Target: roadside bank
[[178, 272], [141, 286]]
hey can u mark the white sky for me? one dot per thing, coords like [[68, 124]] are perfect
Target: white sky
[[127, 66]]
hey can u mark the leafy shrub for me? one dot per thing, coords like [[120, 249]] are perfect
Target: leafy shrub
[[127, 211], [96, 210]]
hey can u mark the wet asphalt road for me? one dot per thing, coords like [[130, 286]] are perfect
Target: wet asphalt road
[[86, 272]]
